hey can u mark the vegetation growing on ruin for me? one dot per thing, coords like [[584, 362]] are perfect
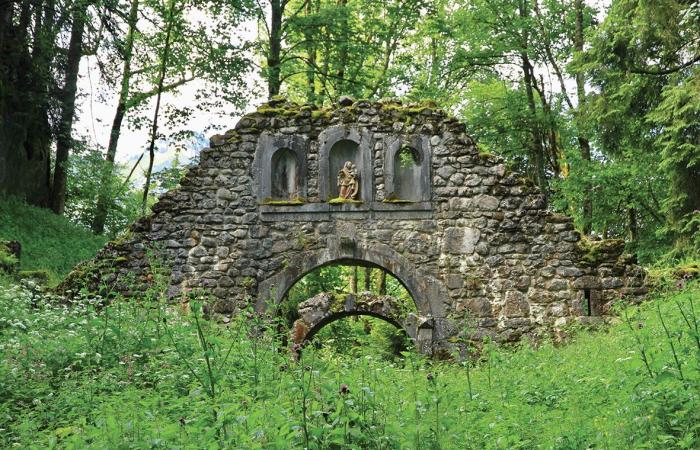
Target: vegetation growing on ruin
[[342, 201]]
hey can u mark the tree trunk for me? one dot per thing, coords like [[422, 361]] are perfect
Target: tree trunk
[[355, 274], [382, 282], [537, 151], [368, 279], [154, 125], [584, 145], [274, 53], [98, 222], [343, 53], [632, 226], [64, 140], [311, 54]]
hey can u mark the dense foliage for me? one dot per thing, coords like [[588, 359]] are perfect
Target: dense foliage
[[142, 374], [598, 109]]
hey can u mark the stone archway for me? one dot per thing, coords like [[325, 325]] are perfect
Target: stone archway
[[327, 307], [428, 293]]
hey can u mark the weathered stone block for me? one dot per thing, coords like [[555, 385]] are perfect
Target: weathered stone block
[[461, 240]]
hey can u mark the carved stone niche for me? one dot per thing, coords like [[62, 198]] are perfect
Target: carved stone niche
[[280, 167], [338, 145], [407, 169]]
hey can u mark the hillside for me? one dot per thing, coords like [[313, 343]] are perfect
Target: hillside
[[49, 242]]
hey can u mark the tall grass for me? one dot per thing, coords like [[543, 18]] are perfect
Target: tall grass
[[143, 374]]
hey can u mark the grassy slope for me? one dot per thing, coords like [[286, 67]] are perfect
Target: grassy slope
[[49, 242], [124, 377]]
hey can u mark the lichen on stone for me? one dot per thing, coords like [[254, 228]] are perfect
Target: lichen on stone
[[593, 252], [341, 200], [296, 201]]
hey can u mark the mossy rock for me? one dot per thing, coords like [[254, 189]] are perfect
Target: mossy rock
[[41, 276], [277, 100], [8, 261], [593, 252], [687, 271], [268, 111]]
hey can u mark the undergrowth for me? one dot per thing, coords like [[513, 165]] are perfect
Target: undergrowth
[[144, 374]]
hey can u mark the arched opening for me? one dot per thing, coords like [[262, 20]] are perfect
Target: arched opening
[[342, 152], [336, 306], [284, 175], [428, 294], [407, 174], [361, 335]]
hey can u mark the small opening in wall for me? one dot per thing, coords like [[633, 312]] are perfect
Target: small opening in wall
[[284, 174], [407, 174], [588, 308]]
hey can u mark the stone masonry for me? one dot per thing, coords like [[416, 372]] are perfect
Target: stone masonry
[[475, 245]]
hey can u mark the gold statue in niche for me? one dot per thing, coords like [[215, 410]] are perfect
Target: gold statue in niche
[[348, 184]]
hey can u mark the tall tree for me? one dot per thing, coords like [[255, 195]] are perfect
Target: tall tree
[[64, 135], [583, 142], [98, 222], [647, 71], [28, 74], [163, 66]]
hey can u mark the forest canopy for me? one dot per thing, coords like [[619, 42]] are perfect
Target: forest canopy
[[599, 104]]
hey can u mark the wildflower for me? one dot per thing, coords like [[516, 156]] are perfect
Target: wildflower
[[344, 389]]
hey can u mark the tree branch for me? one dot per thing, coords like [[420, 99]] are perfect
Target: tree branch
[[668, 71]]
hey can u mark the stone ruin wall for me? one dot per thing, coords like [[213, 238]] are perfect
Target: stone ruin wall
[[478, 246]]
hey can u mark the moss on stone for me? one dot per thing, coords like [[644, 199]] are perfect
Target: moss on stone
[[341, 200], [7, 259], [290, 202], [277, 99], [688, 271], [485, 154], [41, 275], [321, 114], [525, 180], [270, 111], [592, 252]]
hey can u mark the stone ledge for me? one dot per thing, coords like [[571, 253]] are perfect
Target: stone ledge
[[324, 211]]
